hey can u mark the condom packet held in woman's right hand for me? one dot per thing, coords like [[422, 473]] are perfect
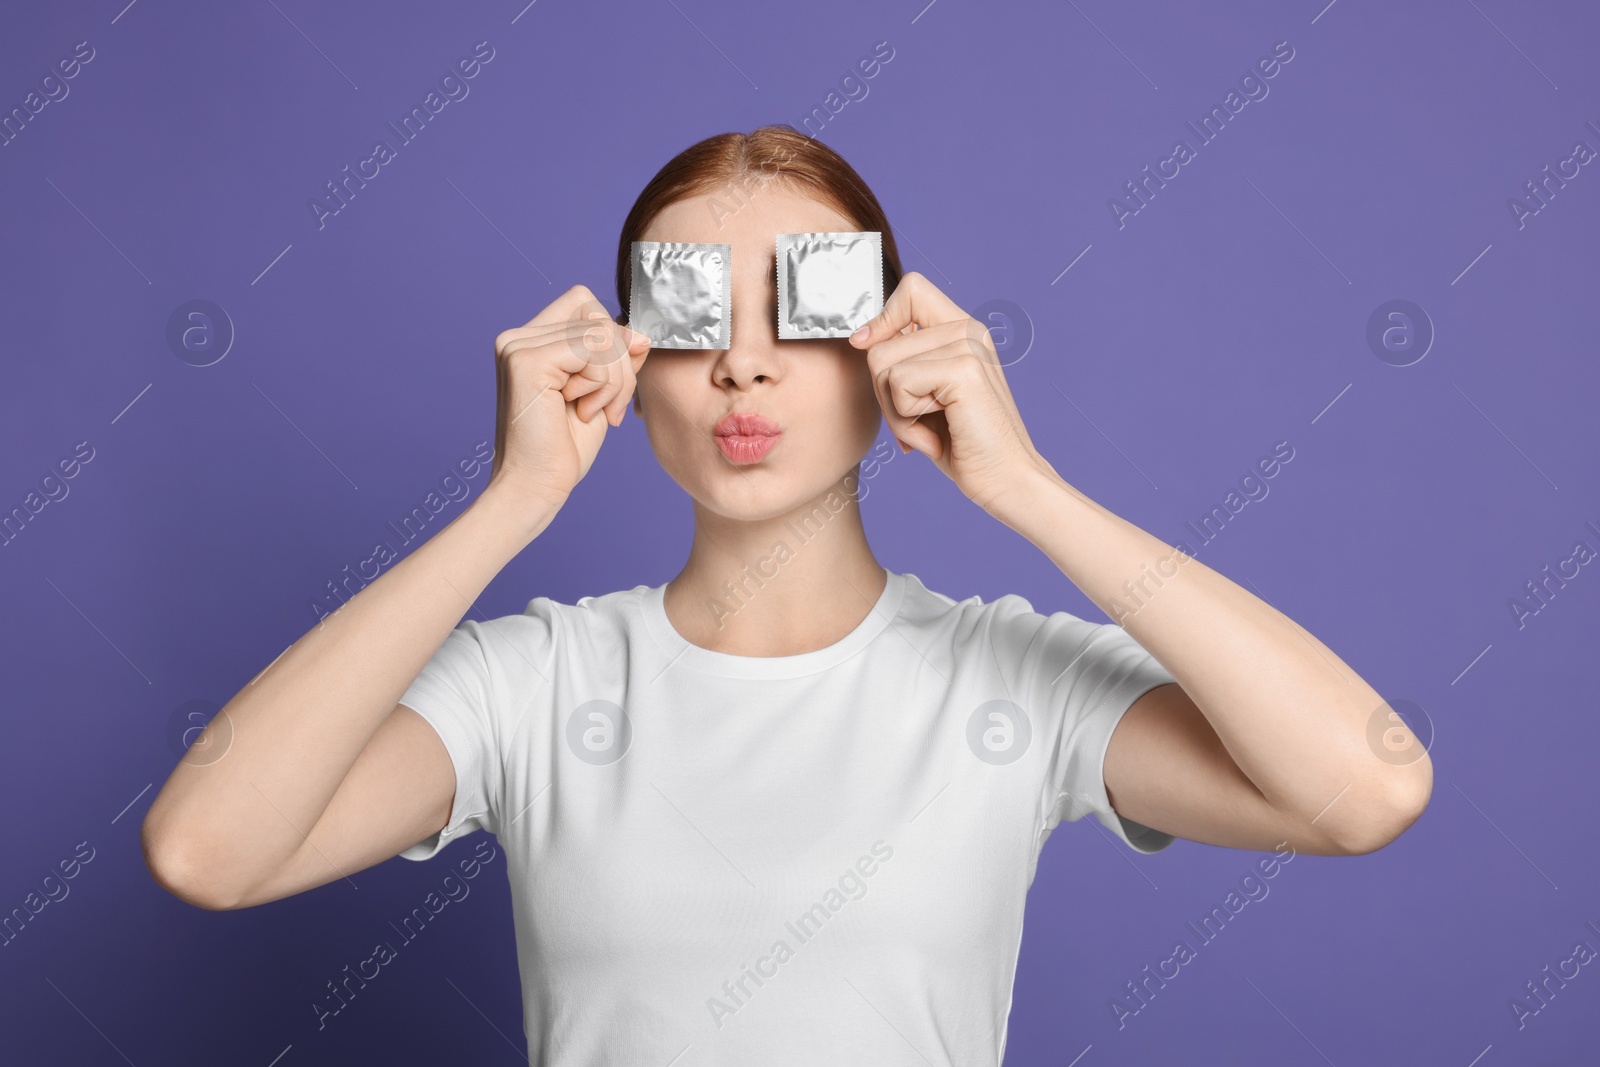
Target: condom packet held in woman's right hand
[[680, 293], [828, 283]]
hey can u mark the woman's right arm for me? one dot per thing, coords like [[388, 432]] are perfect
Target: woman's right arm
[[269, 816], [314, 770]]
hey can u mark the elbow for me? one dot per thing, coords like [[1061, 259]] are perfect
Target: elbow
[[178, 868], [1399, 803]]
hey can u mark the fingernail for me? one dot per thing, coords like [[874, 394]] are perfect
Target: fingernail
[[860, 335]]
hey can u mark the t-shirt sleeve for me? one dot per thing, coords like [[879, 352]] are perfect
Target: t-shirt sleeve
[[475, 692], [456, 694], [1077, 679]]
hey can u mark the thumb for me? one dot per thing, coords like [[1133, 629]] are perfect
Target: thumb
[[866, 336], [894, 319], [637, 342]]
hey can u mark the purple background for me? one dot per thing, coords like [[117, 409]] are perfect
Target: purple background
[[1229, 314]]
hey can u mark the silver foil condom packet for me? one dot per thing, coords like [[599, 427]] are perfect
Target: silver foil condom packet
[[828, 283], [680, 293]]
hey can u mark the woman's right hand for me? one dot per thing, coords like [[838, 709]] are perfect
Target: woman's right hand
[[554, 376]]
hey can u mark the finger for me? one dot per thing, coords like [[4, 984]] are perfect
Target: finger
[[915, 301], [923, 385], [523, 377], [608, 350], [905, 345], [638, 349], [597, 330], [593, 341], [593, 386], [608, 341], [614, 398], [525, 368], [563, 307], [571, 346], [569, 335], [901, 424], [585, 381], [617, 388], [586, 332]]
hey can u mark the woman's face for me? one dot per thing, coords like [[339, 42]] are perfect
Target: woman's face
[[818, 392]]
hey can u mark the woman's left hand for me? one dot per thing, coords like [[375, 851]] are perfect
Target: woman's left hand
[[939, 382]]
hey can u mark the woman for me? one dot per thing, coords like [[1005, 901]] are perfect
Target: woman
[[785, 807]]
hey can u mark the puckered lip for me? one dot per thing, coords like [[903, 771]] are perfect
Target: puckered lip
[[746, 424]]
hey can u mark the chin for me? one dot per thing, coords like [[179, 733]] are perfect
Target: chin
[[762, 492]]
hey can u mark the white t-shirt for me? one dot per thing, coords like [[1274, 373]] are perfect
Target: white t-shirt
[[808, 859]]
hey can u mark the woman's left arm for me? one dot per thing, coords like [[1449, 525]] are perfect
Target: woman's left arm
[[1266, 736]]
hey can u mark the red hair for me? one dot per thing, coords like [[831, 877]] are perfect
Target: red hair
[[736, 162]]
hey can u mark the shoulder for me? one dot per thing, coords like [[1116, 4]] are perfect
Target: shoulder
[[974, 610], [1007, 618], [546, 623], [1027, 643]]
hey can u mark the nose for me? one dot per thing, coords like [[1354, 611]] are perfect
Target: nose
[[753, 354]]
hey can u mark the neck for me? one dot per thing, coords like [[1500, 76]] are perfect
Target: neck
[[778, 586]]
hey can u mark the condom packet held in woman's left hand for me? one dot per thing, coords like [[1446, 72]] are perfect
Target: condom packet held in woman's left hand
[[828, 283], [680, 293]]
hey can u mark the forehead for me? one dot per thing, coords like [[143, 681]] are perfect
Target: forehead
[[748, 217]]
